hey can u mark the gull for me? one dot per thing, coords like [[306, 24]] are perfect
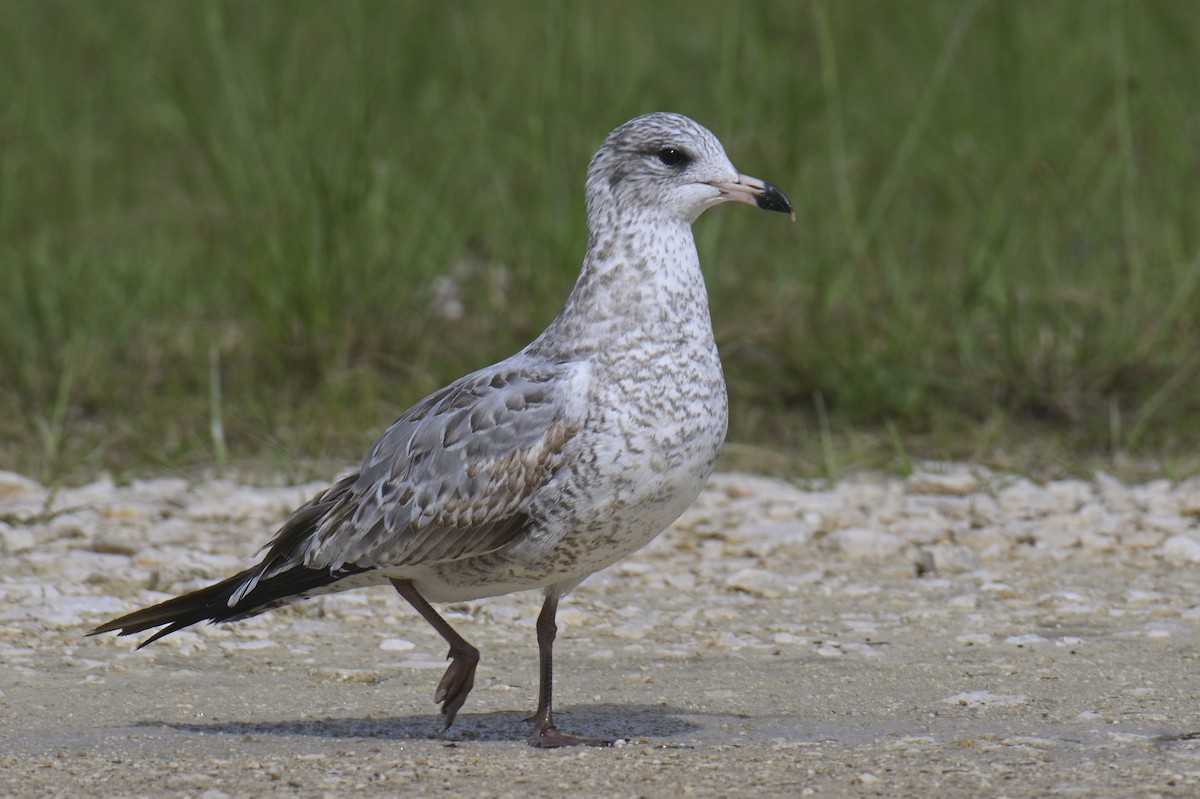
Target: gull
[[546, 467]]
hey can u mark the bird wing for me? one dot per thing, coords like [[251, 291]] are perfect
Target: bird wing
[[452, 478]]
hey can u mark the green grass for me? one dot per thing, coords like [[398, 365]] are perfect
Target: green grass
[[239, 232]]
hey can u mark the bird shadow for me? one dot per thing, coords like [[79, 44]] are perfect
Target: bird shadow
[[629, 722]]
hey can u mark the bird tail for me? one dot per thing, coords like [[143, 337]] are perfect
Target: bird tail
[[226, 601], [279, 579]]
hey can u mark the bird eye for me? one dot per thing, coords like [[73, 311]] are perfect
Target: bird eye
[[673, 157]]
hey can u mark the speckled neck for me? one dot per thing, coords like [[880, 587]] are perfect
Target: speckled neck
[[641, 281]]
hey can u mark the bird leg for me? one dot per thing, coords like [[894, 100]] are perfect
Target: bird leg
[[460, 674], [544, 734]]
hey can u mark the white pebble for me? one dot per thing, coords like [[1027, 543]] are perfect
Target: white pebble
[[1181, 549], [860, 543], [985, 699], [264, 643], [15, 539], [728, 641], [13, 485], [998, 590], [630, 631], [758, 582], [396, 645], [956, 483]]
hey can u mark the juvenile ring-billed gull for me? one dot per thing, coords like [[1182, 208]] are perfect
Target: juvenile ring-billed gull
[[550, 465]]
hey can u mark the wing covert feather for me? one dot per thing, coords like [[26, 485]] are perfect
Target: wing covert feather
[[452, 477]]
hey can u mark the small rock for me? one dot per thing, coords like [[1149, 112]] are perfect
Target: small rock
[[985, 699], [15, 539], [396, 645], [758, 582], [956, 483], [860, 543], [963, 601], [729, 642], [1156, 498], [570, 618], [680, 581], [13, 486], [1113, 493], [1022, 500], [91, 495], [1030, 741], [630, 631], [1141, 598], [1142, 539], [265, 643], [1189, 498], [952, 558], [998, 590], [115, 546], [761, 538], [1169, 523], [1181, 549], [923, 562], [82, 523], [1069, 495], [360, 675]]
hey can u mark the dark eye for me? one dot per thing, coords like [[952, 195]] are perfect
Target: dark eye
[[673, 157]]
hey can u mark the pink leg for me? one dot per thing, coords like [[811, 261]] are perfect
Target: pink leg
[[459, 678], [545, 735]]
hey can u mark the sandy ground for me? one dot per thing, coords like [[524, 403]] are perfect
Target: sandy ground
[[876, 638]]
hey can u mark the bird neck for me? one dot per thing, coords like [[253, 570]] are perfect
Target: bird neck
[[640, 279]]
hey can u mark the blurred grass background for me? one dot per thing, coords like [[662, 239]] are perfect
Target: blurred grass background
[[252, 233]]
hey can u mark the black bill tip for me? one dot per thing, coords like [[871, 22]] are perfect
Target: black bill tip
[[772, 199]]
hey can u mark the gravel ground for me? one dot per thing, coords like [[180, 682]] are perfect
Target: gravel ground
[[955, 633]]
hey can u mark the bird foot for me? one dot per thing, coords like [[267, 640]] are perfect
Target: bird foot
[[457, 682], [546, 736]]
